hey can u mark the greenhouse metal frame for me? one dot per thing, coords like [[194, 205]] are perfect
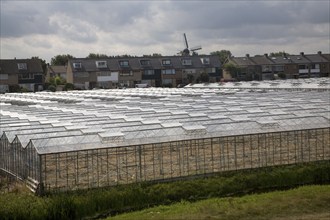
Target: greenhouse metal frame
[[88, 139]]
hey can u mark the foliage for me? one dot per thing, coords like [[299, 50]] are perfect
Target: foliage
[[282, 75], [17, 88], [68, 86], [190, 78], [14, 88], [222, 54], [278, 54], [308, 201], [153, 55], [168, 85], [52, 88], [96, 55], [233, 69], [114, 200], [204, 78], [60, 60]]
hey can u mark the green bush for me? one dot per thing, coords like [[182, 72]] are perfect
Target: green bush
[[52, 88], [101, 202], [68, 86]]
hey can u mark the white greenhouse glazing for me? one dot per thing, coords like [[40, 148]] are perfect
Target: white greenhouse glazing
[[86, 139]]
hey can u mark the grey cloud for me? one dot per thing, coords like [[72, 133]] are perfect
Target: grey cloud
[[17, 20], [148, 24]]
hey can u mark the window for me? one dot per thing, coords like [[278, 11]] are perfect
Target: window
[[145, 62], [26, 76], [168, 71], [302, 67], [205, 60], [22, 66], [103, 73], [80, 75], [126, 73], [186, 62], [3, 76], [148, 72], [167, 81], [77, 65], [315, 66], [101, 64], [166, 62], [278, 68], [266, 68], [123, 63]]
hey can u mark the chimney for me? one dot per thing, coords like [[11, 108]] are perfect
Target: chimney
[[266, 55], [302, 54], [247, 55], [319, 52]]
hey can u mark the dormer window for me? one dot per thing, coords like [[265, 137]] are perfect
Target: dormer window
[[166, 62], [205, 60], [77, 65], [145, 62], [101, 64], [22, 66], [124, 63], [186, 62]]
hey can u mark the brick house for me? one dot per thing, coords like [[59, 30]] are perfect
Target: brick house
[[127, 72], [292, 66], [25, 73]]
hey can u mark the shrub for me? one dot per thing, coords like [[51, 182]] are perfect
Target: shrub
[[102, 202]]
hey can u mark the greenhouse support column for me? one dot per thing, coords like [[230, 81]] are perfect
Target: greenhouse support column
[[40, 187], [140, 162]]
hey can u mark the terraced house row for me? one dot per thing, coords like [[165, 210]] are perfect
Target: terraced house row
[[169, 71], [152, 71], [287, 66]]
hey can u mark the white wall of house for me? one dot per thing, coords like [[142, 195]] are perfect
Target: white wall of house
[[109, 77]]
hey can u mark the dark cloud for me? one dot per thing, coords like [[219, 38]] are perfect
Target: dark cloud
[[18, 20], [153, 24]]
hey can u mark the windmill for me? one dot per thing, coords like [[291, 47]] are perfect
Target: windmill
[[187, 50]]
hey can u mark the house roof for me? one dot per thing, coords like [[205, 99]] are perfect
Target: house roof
[[113, 64], [10, 66], [262, 60], [242, 61], [316, 58], [288, 59], [57, 69]]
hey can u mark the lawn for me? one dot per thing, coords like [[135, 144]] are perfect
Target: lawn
[[306, 202]]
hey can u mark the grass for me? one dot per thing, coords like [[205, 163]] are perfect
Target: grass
[[18, 203], [307, 202]]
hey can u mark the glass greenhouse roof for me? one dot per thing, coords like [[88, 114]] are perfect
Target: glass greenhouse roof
[[82, 120]]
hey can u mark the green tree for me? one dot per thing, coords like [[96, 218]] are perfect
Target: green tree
[[222, 54], [232, 69], [204, 77], [190, 78], [61, 59], [96, 55], [278, 54]]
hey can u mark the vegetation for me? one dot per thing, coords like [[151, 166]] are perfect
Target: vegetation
[[307, 202], [114, 200], [278, 54], [222, 54], [96, 55], [60, 60], [203, 78], [233, 69]]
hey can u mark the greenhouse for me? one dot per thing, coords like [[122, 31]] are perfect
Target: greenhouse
[[96, 138]]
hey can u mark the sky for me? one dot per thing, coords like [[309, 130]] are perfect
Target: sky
[[48, 28]]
